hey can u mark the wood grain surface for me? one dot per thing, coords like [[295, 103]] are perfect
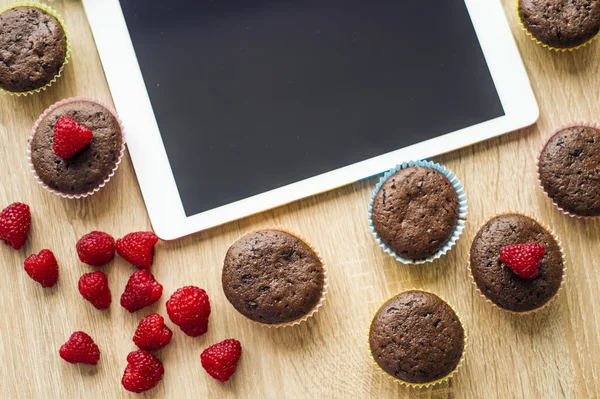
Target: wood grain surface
[[552, 354]]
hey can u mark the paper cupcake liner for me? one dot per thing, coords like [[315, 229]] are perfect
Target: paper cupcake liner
[[532, 37], [106, 179], [562, 255], [315, 309], [537, 166], [55, 14], [462, 211], [424, 384]]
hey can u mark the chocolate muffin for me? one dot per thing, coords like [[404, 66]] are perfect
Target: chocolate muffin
[[273, 277], [33, 48], [92, 165], [559, 23], [497, 282], [416, 337], [569, 170], [415, 212]]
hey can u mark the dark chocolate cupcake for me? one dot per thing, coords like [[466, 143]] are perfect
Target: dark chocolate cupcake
[[92, 167], [417, 211], [33, 48], [498, 282], [274, 278], [417, 338], [569, 169], [558, 24]]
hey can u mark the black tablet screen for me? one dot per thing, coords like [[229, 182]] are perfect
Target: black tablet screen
[[251, 95]]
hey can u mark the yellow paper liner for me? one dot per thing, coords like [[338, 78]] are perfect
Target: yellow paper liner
[[113, 170], [532, 37], [537, 166], [315, 309], [423, 384], [562, 254], [55, 14]]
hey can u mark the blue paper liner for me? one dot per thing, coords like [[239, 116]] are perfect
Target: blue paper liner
[[462, 211]]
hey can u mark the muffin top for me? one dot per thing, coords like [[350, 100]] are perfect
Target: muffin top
[[415, 212], [569, 168], [33, 47], [272, 277], [416, 337], [560, 23], [500, 284], [88, 168]]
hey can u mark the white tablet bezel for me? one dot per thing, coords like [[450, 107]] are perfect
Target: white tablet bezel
[[152, 166]]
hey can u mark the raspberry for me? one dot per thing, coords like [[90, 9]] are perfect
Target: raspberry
[[152, 334], [189, 308], [94, 288], [96, 248], [143, 372], [69, 137], [42, 268], [15, 222], [141, 290], [221, 359], [80, 348], [523, 259], [138, 248]]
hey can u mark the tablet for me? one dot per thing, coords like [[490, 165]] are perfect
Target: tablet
[[232, 107]]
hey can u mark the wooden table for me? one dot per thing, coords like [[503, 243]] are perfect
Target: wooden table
[[555, 353]]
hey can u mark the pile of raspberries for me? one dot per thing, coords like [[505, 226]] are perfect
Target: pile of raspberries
[[188, 307]]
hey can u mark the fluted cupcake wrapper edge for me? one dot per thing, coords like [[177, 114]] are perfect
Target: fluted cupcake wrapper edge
[[462, 211], [106, 179], [424, 384], [562, 254], [537, 166], [547, 46], [319, 304], [56, 15]]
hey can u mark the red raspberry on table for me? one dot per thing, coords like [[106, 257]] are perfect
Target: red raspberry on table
[[15, 222], [152, 334], [141, 290], [42, 268], [220, 360], [523, 259], [138, 248], [94, 288], [80, 348], [143, 372], [189, 308], [96, 248], [69, 137]]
